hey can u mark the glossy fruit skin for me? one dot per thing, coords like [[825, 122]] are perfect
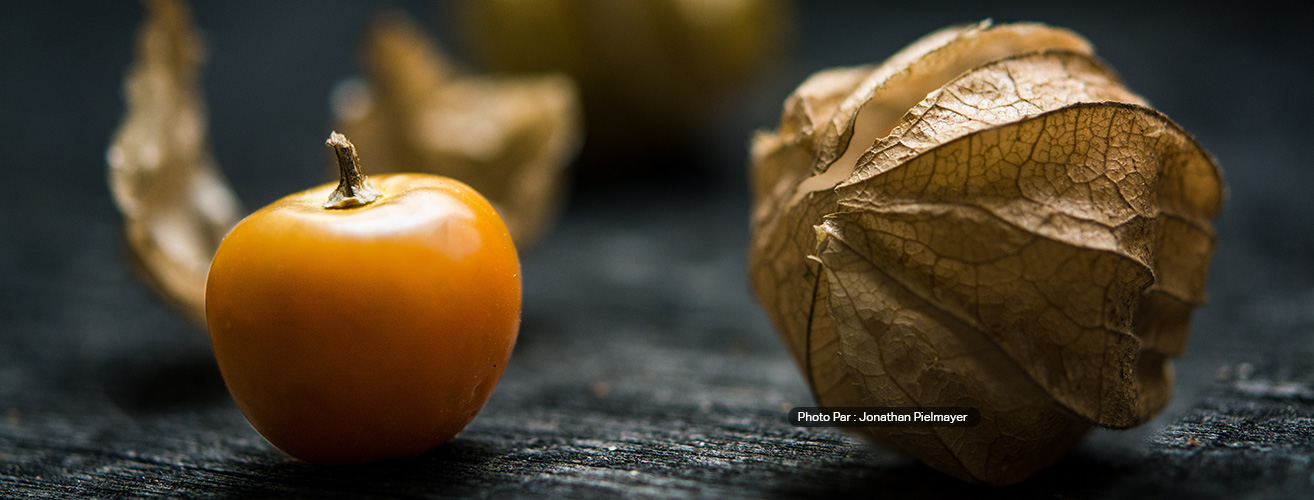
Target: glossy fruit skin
[[353, 335]]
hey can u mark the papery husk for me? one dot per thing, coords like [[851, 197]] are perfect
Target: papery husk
[[988, 219], [511, 138], [175, 202]]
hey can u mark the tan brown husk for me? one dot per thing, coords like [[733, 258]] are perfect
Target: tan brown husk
[[175, 202], [988, 219], [511, 138]]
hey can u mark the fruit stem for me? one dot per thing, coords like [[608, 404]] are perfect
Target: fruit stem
[[353, 189]]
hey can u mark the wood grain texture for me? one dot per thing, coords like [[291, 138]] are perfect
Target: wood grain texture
[[104, 393], [643, 370]]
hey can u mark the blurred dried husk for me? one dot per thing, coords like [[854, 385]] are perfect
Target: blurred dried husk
[[511, 138], [988, 219], [653, 74], [175, 202]]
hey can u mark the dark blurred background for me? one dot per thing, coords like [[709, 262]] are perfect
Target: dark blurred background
[[1237, 76]]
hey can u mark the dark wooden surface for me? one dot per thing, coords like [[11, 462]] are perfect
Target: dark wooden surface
[[643, 368]]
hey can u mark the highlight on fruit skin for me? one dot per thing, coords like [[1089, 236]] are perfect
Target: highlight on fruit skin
[[511, 138], [365, 319], [988, 219]]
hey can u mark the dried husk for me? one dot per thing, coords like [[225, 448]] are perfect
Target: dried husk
[[511, 138], [176, 204], [988, 219]]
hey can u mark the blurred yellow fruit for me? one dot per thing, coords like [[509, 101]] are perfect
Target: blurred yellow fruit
[[644, 67]]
